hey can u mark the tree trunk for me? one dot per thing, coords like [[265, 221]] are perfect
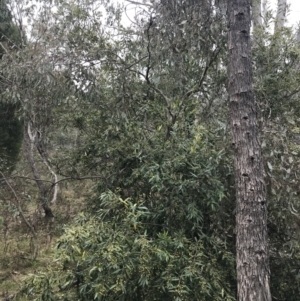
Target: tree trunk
[[298, 35], [29, 140], [257, 13], [251, 217], [281, 14]]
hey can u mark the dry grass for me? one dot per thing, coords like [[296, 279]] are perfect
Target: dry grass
[[20, 253]]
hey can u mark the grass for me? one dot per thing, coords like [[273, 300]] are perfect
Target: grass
[[21, 254], [18, 258]]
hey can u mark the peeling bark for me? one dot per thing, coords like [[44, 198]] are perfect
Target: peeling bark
[[251, 211], [29, 139], [42, 152]]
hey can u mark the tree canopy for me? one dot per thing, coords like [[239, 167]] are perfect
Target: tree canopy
[[142, 113]]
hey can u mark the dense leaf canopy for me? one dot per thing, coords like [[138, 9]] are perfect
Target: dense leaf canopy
[[142, 111]]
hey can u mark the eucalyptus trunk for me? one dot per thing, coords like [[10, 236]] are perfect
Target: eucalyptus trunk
[[251, 211], [257, 13], [281, 14], [29, 139]]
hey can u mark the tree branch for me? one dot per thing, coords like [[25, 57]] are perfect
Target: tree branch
[[18, 205]]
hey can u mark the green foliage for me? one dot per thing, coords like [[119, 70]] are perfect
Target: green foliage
[[105, 258], [166, 232], [148, 108], [10, 137], [10, 36], [277, 74], [10, 125], [276, 71]]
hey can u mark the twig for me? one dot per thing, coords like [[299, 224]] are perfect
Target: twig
[[61, 180], [138, 3], [5, 50], [197, 89]]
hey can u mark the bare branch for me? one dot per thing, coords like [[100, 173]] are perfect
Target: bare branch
[[139, 3], [207, 67]]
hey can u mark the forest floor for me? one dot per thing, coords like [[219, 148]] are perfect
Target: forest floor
[[21, 254]]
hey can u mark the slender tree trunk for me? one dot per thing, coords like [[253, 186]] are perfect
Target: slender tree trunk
[[298, 35], [257, 13], [43, 155], [264, 9], [281, 14], [251, 217], [29, 145]]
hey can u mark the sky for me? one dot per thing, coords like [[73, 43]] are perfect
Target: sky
[[293, 17]]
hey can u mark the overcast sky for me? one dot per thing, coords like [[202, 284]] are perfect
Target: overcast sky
[[294, 14]]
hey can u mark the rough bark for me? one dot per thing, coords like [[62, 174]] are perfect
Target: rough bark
[[251, 217]]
